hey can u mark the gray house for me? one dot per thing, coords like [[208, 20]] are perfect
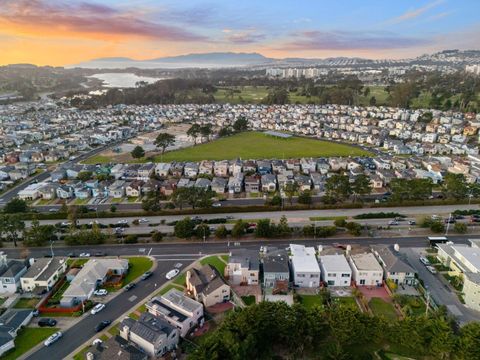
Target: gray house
[[10, 273], [275, 268]]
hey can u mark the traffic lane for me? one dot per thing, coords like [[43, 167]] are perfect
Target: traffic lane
[[85, 329]]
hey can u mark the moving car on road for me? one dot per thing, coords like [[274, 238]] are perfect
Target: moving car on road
[[146, 275], [84, 255], [102, 325], [97, 308], [53, 338], [172, 273], [130, 286]]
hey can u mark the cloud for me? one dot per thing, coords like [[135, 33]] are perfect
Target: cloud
[[56, 19], [345, 40], [412, 14], [243, 37]]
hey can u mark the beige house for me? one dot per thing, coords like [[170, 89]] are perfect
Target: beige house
[[207, 286], [150, 333], [43, 272], [242, 267]]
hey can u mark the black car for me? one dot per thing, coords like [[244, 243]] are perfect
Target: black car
[[102, 325], [47, 322], [146, 275], [130, 286], [100, 254]]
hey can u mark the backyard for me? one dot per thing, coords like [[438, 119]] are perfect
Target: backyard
[[382, 308], [26, 339]]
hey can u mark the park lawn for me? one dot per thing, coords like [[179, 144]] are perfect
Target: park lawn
[[216, 262], [249, 300], [242, 94], [310, 301], [137, 266], [97, 159], [380, 94], [26, 339], [26, 303], [382, 308], [256, 145]]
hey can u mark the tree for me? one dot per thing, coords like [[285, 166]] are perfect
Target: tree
[[354, 228], [239, 228], [277, 96], [283, 228], [455, 186], [373, 101], [72, 216], [138, 152], [157, 236], [14, 226], [38, 235], [184, 229], [164, 140], [193, 132], [16, 205], [195, 197], [469, 344], [305, 197], [290, 190], [206, 131], [84, 175], [437, 227], [460, 228], [221, 232], [202, 231], [361, 186], [338, 187], [276, 200], [113, 208], [224, 131], [263, 228], [241, 124], [410, 189]]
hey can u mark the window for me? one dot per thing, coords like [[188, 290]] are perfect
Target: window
[[331, 282], [362, 282], [331, 275], [345, 275]]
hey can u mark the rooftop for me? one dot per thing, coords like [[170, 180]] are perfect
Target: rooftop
[[335, 263], [304, 259], [43, 268], [366, 261]]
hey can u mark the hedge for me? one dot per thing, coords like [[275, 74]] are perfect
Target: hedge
[[379, 215]]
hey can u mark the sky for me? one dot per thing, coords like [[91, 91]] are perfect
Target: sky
[[66, 32]]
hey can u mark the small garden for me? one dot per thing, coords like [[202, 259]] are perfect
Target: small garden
[[411, 305], [137, 265], [380, 307]]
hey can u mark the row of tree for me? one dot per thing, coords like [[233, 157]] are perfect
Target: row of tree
[[276, 330]]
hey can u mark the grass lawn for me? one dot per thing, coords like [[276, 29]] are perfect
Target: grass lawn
[[256, 145], [114, 330], [81, 201], [26, 303], [137, 266], [2, 300], [98, 159], [167, 288], [346, 301], [249, 300], [382, 308], [59, 293], [216, 262], [26, 339], [241, 94], [76, 262], [180, 279], [311, 300]]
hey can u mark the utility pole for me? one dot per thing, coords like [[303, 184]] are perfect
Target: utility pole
[[428, 302], [448, 224]]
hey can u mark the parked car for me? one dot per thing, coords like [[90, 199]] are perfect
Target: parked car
[[122, 222], [53, 338], [72, 255], [96, 342], [143, 220], [432, 269], [217, 204], [424, 260], [102, 325], [100, 292], [100, 253], [130, 286], [393, 222], [84, 255], [450, 220], [35, 313], [47, 322], [412, 222], [146, 275], [97, 308], [172, 273]]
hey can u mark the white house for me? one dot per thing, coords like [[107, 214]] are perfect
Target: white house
[[306, 272], [335, 270], [43, 272], [366, 271], [10, 273]]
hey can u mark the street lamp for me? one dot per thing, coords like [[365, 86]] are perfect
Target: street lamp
[[448, 224]]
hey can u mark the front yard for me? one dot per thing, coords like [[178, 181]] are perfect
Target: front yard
[[24, 303], [137, 266], [26, 339], [216, 262]]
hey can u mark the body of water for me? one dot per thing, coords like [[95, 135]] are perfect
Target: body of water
[[123, 80]]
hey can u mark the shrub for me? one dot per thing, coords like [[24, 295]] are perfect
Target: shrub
[[184, 228], [221, 232], [202, 230], [379, 215], [354, 228], [157, 236], [460, 228], [340, 222], [136, 222], [326, 231], [239, 228], [131, 239], [437, 227]]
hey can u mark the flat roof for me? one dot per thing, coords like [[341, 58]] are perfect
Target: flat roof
[[304, 259], [336, 262], [366, 262], [472, 255]]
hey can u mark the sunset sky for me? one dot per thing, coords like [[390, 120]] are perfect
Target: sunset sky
[[61, 32]]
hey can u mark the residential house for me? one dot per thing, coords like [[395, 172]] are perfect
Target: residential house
[[191, 170], [264, 167], [220, 168], [366, 271], [269, 183], [235, 183], [242, 267], [218, 185], [394, 268], [43, 273], [65, 192], [30, 192], [134, 188], [252, 184], [10, 273], [305, 269], [117, 189], [10, 323], [207, 285], [275, 269], [202, 183], [177, 169], [116, 348], [335, 270], [162, 169], [48, 191], [145, 171], [150, 333], [178, 310], [205, 167]]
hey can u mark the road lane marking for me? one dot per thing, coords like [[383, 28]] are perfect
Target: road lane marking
[[132, 298], [160, 255], [150, 251], [183, 259]]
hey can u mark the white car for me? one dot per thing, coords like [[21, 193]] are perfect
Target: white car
[[217, 205], [100, 292], [96, 342], [53, 338], [84, 255], [424, 261], [122, 222], [97, 308], [393, 222], [432, 269], [172, 273], [66, 223], [143, 220]]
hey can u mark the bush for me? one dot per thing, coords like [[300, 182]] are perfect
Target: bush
[[131, 239], [239, 229], [354, 228], [184, 229], [460, 228], [379, 215], [340, 222], [437, 227], [157, 236], [136, 222], [202, 230], [326, 231], [221, 232]]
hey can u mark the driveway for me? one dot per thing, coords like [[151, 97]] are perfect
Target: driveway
[[440, 291]]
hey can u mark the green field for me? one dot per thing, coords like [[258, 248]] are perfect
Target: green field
[[256, 145], [241, 94]]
